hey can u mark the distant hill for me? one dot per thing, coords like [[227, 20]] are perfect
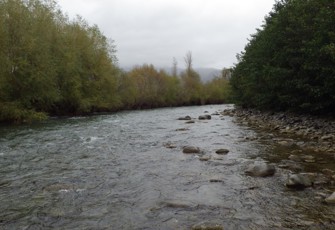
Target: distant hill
[[206, 74]]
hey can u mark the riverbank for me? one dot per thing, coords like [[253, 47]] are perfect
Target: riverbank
[[310, 133]]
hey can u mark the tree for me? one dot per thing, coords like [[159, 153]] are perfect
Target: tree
[[188, 62], [191, 82], [174, 67], [50, 65], [288, 64]]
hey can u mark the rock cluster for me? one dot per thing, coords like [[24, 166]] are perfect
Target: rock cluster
[[319, 132], [287, 130]]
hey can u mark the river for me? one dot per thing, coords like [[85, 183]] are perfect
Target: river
[[116, 172]]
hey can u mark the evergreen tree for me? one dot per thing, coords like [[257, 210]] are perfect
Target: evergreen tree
[[289, 63]]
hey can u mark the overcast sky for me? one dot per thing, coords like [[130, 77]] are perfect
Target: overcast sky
[[155, 31]]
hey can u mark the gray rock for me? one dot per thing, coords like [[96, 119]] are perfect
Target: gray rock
[[331, 199], [205, 117], [186, 118], [326, 138], [222, 151], [261, 170], [191, 150], [215, 180], [299, 181]]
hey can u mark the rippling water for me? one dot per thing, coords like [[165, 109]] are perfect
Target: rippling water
[[113, 172]]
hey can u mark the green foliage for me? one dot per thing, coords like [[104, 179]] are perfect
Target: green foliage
[[289, 63], [145, 87], [50, 65], [218, 91]]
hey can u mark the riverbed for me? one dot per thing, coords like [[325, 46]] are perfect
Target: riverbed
[[127, 171]]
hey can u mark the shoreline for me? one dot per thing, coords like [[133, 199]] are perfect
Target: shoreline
[[310, 133]]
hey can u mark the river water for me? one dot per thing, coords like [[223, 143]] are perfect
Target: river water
[[116, 172]]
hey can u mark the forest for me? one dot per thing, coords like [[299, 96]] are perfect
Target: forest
[[289, 63], [53, 66]]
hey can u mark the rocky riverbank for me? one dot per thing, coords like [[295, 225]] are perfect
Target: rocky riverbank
[[305, 137], [308, 132]]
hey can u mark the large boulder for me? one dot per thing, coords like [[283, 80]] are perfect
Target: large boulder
[[299, 181], [261, 170]]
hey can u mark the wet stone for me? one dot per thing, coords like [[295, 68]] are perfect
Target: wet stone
[[222, 151], [207, 226], [330, 199], [215, 180], [326, 138], [261, 170], [169, 145], [298, 181], [204, 158], [186, 118], [182, 129], [191, 149], [205, 117]]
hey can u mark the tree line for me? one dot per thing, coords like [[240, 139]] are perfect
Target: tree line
[[51, 65], [289, 63]]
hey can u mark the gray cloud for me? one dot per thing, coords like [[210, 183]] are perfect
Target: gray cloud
[[155, 31]]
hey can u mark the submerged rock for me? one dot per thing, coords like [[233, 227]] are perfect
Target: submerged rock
[[169, 145], [58, 187], [191, 149], [222, 151], [216, 180], [216, 114], [176, 204], [205, 158], [261, 170], [299, 181], [205, 117], [182, 129], [207, 226], [331, 199]]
